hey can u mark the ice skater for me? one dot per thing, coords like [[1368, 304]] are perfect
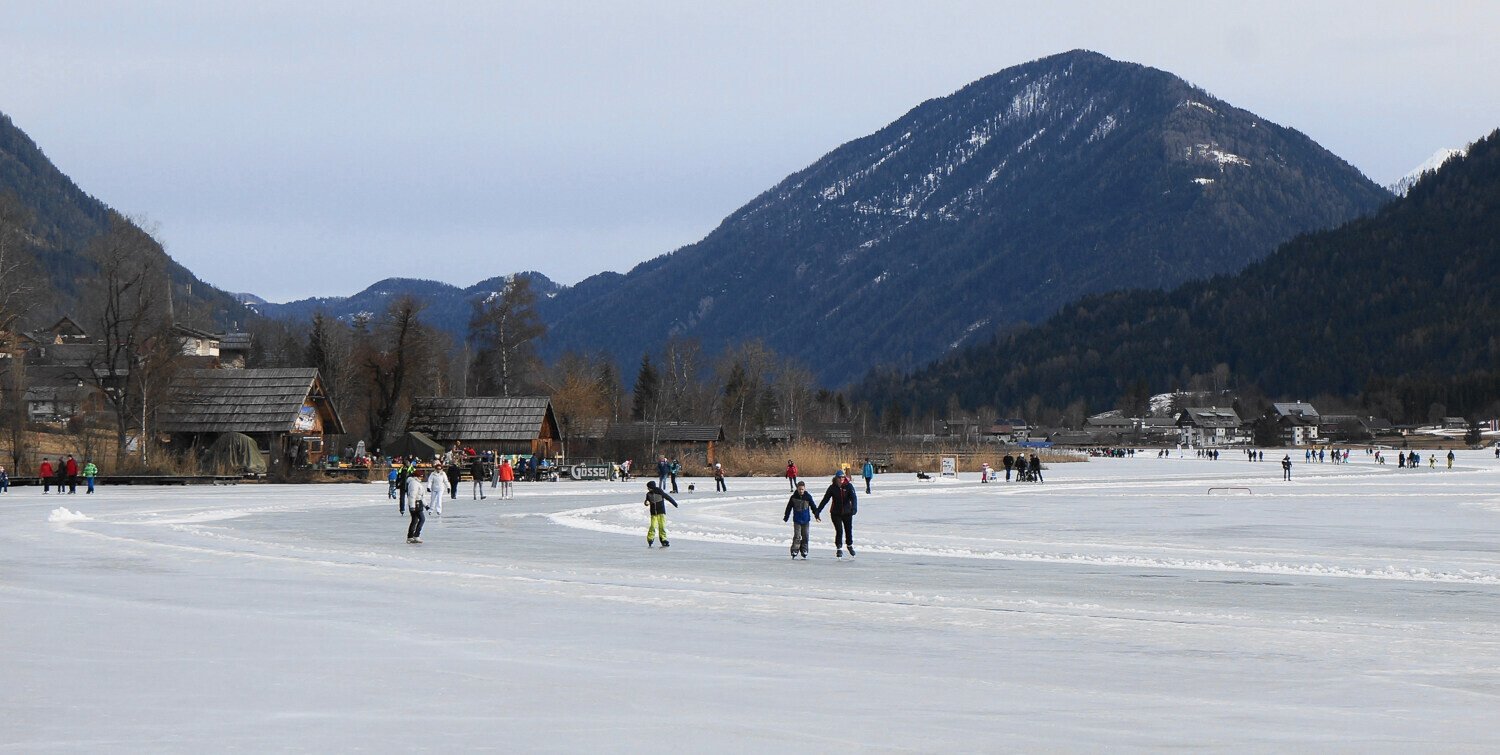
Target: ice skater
[[845, 504], [657, 500], [437, 487], [719, 486], [44, 472], [90, 473], [868, 473], [414, 491], [4, 481], [477, 471], [1450, 459], [507, 476], [799, 509], [791, 474], [1286, 467]]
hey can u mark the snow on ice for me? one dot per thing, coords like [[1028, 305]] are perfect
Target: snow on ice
[[1119, 605]]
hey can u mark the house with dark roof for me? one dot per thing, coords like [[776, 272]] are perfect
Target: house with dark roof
[[510, 424], [673, 439], [286, 411], [1297, 422], [1210, 426]]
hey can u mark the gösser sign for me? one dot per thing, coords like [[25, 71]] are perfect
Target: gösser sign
[[590, 472]]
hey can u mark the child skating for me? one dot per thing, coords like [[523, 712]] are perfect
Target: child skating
[[657, 500], [799, 509]]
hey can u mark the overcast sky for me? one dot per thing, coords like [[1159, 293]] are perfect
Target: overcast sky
[[301, 148]]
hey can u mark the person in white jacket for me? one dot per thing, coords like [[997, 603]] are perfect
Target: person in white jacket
[[437, 485], [416, 491]]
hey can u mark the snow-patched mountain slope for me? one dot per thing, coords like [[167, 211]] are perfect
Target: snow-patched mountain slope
[[1404, 184], [996, 204]]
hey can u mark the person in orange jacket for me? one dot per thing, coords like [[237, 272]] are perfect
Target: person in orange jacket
[[507, 476]]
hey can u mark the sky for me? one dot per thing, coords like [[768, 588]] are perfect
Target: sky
[[339, 143]]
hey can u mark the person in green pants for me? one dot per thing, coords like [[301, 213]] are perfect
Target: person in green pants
[[89, 473], [656, 501]]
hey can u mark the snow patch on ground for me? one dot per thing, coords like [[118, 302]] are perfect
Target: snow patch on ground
[[62, 515], [1212, 152]]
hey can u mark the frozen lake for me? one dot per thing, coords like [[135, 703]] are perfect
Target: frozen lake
[[1119, 605]]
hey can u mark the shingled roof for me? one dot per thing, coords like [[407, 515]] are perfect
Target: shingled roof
[[495, 418], [244, 401], [666, 432]]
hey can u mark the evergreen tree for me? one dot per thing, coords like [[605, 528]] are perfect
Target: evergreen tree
[[647, 391]]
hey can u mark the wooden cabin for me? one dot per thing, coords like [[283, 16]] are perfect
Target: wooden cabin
[[510, 424], [286, 411]]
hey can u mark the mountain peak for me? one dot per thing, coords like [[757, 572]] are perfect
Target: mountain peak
[[1087, 173], [1403, 185]]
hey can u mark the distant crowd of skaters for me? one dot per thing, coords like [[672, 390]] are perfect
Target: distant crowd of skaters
[[417, 494]]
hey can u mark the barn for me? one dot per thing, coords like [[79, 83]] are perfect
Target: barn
[[286, 412], [509, 424]]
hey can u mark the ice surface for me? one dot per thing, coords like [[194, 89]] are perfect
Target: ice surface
[[1119, 605]]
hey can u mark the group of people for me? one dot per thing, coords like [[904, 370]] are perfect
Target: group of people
[[64, 476], [417, 492], [841, 502], [1025, 469], [867, 471]]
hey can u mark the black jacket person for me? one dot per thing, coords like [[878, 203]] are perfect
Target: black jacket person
[[843, 504]]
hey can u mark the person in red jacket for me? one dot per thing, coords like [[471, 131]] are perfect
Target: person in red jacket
[[71, 469], [507, 476], [45, 472], [791, 474]]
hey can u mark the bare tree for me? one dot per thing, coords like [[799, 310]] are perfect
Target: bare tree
[[504, 330], [330, 348], [128, 320], [579, 398], [682, 384], [17, 296], [391, 358], [745, 376]]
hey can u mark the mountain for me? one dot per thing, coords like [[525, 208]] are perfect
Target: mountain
[[448, 306], [1404, 184], [64, 220], [1069, 175], [1393, 311]]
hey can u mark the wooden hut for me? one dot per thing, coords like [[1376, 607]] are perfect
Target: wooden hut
[[511, 424], [672, 438], [286, 411]]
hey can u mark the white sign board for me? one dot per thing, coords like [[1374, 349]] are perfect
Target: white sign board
[[950, 466]]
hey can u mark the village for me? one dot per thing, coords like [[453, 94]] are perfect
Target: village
[[217, 419]]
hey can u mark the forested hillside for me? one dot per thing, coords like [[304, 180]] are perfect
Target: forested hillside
[[1395, 311], [58, 220]]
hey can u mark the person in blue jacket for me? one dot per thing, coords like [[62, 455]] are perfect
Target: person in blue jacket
[[869, 473], [4, 481], [799, 510], [844, 506]]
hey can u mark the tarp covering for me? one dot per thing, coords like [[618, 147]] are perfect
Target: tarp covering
[[234, 453], [414, 444]]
